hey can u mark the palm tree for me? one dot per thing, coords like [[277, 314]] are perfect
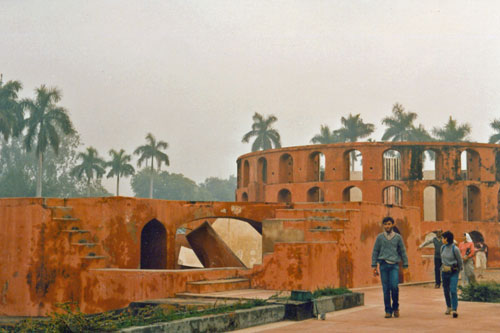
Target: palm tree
[[451, 132], [91, 165], [400, 126], [326, 136], [495, 124], [120, 166], [150, 151], [266, 136], [353, 128], [45, 122], [11, 112]]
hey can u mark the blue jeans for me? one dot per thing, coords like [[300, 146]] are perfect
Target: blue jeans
[[450, 282], [389, 274]]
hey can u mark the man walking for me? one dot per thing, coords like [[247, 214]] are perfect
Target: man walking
[[438, 242], [388, 251]]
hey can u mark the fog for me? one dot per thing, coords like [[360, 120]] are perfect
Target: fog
[[194, 72]]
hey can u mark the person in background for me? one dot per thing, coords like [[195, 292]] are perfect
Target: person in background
[[437, 242], [451, 265], [388, 251], [481, 257], [467, 251]]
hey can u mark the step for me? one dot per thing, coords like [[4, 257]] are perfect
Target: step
[[210, 286], [76, 231], [60, 207], [64, 219]]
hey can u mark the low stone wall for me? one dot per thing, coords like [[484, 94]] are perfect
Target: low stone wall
[[218, 323]]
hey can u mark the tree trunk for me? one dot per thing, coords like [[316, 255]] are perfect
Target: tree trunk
[[151, 187], [39, 176], [117, 185], [88, 187]]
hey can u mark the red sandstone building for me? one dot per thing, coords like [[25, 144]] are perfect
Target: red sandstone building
[[305, 201]]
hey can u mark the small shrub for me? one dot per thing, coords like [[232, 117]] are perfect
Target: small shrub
[[330, 291], [481, 292]]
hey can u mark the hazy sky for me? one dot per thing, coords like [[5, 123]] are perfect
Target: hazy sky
[[194, 72]]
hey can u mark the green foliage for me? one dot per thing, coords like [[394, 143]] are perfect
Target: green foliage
[[451, 132], [73, 320], [481, 292], [265, 135], [219, 189], [353, 128], [330, 291], [175, 186], [18, 171], [400, 126], [326, 136]]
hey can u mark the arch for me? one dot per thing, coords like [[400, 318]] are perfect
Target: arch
[[262, 170], [238, 173], [430, 160], [352, 194], [472, 203], [246, 173], [286, 168], [470, 165], [497, 166], [392, 195], [315, 194], [433, 203], [316, 167], [153, 246], [284, 195], [353, 164], [244, 196], [392, 165]]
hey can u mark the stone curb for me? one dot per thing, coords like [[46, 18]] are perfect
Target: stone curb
[[238, 319]]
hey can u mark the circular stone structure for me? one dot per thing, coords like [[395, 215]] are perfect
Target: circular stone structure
[[448, 181]]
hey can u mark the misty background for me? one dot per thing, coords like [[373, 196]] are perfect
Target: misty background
[[194, 72]]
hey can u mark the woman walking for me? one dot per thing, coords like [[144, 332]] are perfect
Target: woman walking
[[452, 265]]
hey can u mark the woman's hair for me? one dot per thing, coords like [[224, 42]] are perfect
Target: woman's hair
[[449, 236]]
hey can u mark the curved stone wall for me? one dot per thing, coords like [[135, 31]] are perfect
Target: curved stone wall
[[392, 173]]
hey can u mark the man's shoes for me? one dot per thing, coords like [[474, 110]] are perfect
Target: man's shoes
[[455, 314], [437, 286], [448, 311], [388, 315], [396, 313]]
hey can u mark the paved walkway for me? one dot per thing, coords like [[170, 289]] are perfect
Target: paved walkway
[[422, 310]]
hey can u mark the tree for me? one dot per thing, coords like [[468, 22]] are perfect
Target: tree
[[150, 151], [44, 125], [11, 112], [400, 126], [119, 166], [326, 136], [451, 132], [91, 165], [353, 128], [220, 189], [495, 125], [265, 136]]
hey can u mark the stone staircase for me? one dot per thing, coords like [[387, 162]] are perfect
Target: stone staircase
[[82, 244], [211, 286]]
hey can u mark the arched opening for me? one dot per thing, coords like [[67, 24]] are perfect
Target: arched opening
[[392, 195], [433, 203], [238, 173], [392, 165], [352, 194], [284, 196], [316, 167], [469, 161], [244, 196], [236, 238], [429, 162], [153, 246], [472, 203], [497, 166], [286, 168], [262, 170], [353, 161], [315, 194], [246, 173], [498, 206]]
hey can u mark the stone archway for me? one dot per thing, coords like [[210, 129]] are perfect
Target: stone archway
[[153, 246]]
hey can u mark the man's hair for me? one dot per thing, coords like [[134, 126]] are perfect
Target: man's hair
[[448, 235], [388, 219]]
